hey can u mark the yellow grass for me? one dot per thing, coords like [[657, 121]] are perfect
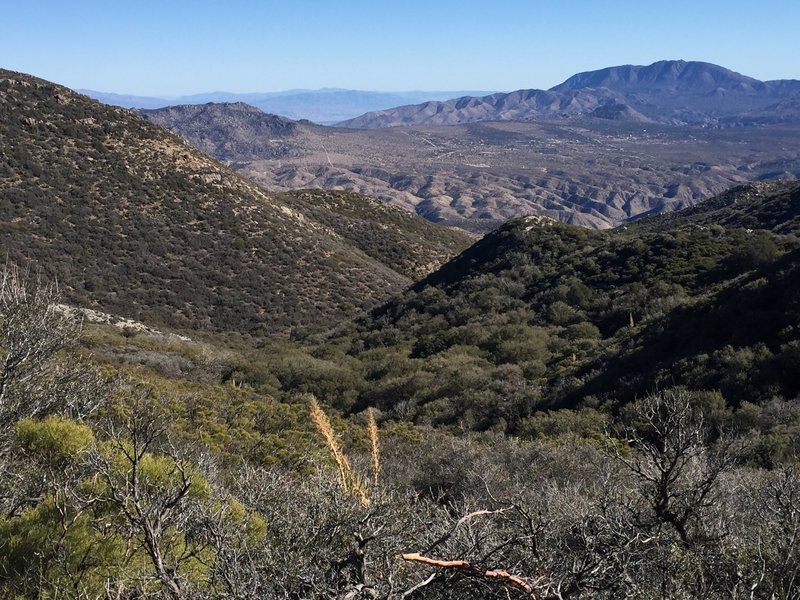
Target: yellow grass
[[375, 446], [347, 477]]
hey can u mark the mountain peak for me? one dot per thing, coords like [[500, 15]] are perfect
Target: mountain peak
[[674, 92], [699, 77]]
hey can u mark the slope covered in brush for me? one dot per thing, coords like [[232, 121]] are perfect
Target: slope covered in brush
[[133, 220], [409, 244], [540, 314]]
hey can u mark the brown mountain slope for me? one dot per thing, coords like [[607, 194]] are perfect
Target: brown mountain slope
[[520, 105], [134, 221]]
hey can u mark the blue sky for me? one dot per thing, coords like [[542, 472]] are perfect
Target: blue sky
[[169, 48]]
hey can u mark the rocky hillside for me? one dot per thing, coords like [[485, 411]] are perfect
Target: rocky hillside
[[770, 205], [397, 238], [675, 92], [132, 220], [233, 131]]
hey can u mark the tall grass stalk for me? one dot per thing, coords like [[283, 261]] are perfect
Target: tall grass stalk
[[375, 446], [347, 477]]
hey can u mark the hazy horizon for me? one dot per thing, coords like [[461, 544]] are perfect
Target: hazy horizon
[[282, 92]]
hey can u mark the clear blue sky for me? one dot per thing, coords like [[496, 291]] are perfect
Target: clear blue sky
[[175, 47]]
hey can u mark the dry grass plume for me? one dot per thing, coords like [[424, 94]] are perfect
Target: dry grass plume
[[375, 445], [349, 481]]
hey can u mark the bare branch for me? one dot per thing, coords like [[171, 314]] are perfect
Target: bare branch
[[473, 571]]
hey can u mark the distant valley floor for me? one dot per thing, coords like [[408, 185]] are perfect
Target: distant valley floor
[[586, 171]]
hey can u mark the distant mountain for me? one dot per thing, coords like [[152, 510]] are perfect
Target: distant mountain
[[783, 112], [127, 100], [667, 75], [134, 221], [685, 91], [325, 106], [676, 92], [515, 106], [232, 131], [331, 106]]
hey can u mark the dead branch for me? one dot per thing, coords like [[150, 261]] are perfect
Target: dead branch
[[473, 571]]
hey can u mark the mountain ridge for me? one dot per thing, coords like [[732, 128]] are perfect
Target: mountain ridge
[[696, 76], [682, 92]]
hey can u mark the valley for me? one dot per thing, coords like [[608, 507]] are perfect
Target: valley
[[585, 171]]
